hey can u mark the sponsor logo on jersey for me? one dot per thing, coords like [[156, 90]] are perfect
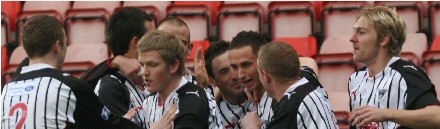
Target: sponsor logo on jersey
[[105, 113]]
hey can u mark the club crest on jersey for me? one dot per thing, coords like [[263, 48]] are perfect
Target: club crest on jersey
[[196, 93], [105, 113], [371, 125], [382, 93]]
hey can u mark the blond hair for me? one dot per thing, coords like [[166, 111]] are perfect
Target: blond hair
[[282, 69], [170, 48], [387, 22]]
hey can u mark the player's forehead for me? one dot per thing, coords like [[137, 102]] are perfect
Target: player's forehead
[[150, 56], [221, 62], [242, 55]]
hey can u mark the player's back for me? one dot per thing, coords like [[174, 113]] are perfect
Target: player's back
[[38, 99]]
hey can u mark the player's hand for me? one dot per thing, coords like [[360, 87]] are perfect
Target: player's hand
[[166, 121], [200, 70], [129, 67], [251, 121], [131, 113], [250, 96], [366, 114]]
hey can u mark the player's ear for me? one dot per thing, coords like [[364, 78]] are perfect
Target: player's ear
[[57, 46], [267, 76], [385, 41], [174, 67]]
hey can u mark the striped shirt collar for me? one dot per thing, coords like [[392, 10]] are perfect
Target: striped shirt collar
[[295, 85], [35, 67]]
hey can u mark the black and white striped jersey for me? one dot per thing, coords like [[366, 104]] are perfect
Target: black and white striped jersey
[[303, 107], [401, 85], [214, 117], [232, 114], [119, 95], [192, 103], [265, 108], [42, 97]]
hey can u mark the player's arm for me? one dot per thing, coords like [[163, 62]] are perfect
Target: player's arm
[[428, 117], [91, 114], [114, 95], [129, 67]]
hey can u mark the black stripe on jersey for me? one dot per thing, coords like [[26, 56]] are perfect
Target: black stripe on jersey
[[67, 107], [244, 111], [56, 108], [310, 113], [235, 114], [319, 111], [325, 107], [224, 117], [371, 93], [264, 107], [302, 120], [45, 103], [35, 104], [398, 94]]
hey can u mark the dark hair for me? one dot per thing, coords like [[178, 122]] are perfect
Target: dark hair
[[216, 49], [40, 33], [125, 24], [248, 38]]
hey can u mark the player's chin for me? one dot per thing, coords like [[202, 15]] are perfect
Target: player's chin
[[151, 88]]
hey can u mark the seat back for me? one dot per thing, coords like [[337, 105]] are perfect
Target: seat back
[[334, 11], [189, 63], [283, 14], [109, 6], [434, 18], [80, 58], [263, 4], [416, 43], [5, 29], [342, 41], [197, 17], [59, 6], [306, 46], [213, 5], [231, 14], [86, 25]]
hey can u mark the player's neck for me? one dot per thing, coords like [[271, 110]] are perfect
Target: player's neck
[[281, 88], [258, 93], [172, 86], [378, 65], [234, 100], [45, 60]]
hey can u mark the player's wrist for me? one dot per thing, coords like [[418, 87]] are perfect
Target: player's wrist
[[112, 62]]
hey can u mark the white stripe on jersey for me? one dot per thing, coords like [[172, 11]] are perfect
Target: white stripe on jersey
[[315, 111], [51, 105], [265, 110], [232, 114], [386, 90], [214, 116]]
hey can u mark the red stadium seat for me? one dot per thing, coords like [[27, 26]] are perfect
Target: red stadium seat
[[434, 18], [189, 63], [82, 57], [415, 44], [410, 10], [283, 14], [197, 17], [250, 15], [5, 29], [4, 58], [17, 56], [431, 63], [109, 6], [159, 5], [12, 8], [340, 101], [334, 11], [263, 4], [305, 46], [213, 5], [338, 61]]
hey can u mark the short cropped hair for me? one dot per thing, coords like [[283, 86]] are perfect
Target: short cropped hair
[[125, 24], [40, 33], [387, 22], [170, 48], [248, 38], [216, 49], [282, 69], [175, 21]]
